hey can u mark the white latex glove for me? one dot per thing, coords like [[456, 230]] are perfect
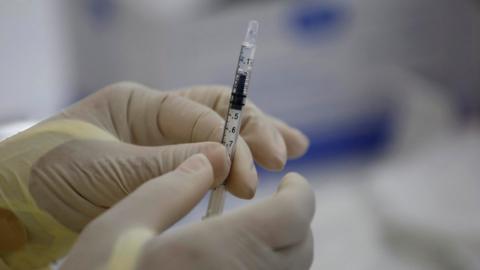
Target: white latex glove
[[78, 180], [60, 174], [271, 234]]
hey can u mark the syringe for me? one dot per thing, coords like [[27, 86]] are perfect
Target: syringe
[[234, 115]]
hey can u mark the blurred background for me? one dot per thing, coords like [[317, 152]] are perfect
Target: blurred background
[[387, 91]]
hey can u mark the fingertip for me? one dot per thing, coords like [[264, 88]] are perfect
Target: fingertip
[[248, 195], [296, 193], [242, 191], [276, 163], [245, 188], [254, 183], [266, 142], [274, 156], [296, 141], [219, 159], [296, 183], [283, 219], [214, 153], [292, 178], [195, 163], [298, 144], [243, 178], [251, 184]]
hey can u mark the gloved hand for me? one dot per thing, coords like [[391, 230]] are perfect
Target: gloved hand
[[156, 131], [271, 234], [76, 165]]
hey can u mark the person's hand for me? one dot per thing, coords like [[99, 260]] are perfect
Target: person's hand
[[60, 174], [270, 234], [155, 132]]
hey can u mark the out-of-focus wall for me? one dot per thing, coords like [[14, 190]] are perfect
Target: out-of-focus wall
[[35, 63], [170, 45], [330, 67], [334, 68]]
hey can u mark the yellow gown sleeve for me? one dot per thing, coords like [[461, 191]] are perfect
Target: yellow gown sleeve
[[47, 240]]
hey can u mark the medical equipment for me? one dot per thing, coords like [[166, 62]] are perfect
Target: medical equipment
[[234, 115]]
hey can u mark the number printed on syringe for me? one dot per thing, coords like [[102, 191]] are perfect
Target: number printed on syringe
[[232, 127], [233, 119]]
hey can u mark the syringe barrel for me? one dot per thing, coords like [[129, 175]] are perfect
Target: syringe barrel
[[233, 119]]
